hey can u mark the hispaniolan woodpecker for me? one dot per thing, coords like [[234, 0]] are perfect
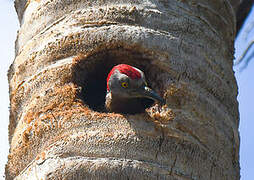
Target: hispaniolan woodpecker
[[126, 85]]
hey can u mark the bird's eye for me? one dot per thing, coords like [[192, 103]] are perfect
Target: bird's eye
[[124, 84]]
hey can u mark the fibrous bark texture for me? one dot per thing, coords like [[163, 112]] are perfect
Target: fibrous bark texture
[[64, 50]]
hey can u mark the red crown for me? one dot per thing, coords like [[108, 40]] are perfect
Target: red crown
[[125, 69]]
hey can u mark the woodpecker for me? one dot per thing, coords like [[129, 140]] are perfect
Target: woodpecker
[[126, 86]]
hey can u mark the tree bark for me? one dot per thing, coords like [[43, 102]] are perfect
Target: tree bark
[[242, 12], [64, 50]]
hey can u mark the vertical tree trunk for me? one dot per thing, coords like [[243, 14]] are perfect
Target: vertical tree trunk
[[64, 50]]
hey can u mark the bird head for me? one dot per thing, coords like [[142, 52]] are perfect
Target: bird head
[[125, 81]]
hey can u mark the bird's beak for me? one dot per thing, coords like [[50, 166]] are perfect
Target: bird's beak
[[151, 94]]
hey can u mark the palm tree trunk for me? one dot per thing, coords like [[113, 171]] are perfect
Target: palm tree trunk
[[64, 50]]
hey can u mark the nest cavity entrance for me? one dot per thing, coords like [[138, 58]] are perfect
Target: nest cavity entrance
[[90, 74]]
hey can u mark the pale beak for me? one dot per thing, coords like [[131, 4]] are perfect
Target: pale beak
[[151, 94]]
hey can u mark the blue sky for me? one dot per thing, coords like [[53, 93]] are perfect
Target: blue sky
[[245, 82], [8, 31]]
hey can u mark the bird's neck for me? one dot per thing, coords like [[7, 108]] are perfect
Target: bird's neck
[[118, 104]]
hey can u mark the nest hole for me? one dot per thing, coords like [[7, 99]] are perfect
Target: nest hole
[[90, 74]]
